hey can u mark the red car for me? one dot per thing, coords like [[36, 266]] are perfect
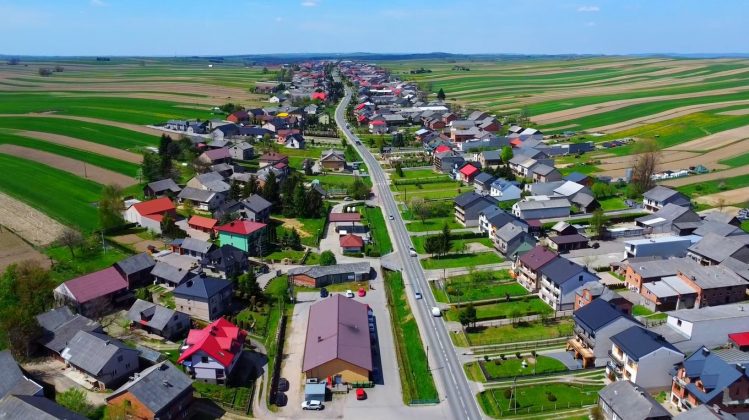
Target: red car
[[360, 394], [362, 292]]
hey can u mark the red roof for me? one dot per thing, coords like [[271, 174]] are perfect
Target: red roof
[[157, 206], [351, 241], [378, 122], [469, 170], [741, 339], [360, 106], [156, 217], [516, 142], [319, 95], [241, 227], [95, 285], [345, 217], [220, 339], [362, 118], [442, 148], [203, 222]]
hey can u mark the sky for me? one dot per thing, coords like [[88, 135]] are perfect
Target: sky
[[229, 27]]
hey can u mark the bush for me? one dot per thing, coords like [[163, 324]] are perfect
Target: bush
[[497, 362], [486, 358], [518, 355], [551, 397], [508, 393], [327, 258]]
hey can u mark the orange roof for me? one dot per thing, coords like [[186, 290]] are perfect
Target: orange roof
[[157, 206], [203, 222], [351, 241], [241, 227]]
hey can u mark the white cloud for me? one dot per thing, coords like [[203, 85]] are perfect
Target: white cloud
[[588, 9], [309, 3]]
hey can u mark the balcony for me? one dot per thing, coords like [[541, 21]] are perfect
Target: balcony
[[582, 351], [615, 369], [616, 360]]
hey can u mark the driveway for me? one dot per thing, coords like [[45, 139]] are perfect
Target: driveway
[[53, 372], [566, 358]]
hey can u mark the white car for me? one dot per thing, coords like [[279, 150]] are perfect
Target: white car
[[312, 405], [349, 293], [436, 311], [417, 295], [391, 217], [412, 251]]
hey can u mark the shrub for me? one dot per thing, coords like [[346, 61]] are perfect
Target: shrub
[[486, 358], [518, 355], [508, 392], [502, 356], [551, 397], [497, 362]]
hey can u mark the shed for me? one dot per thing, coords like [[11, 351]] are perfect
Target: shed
[[314, 392]]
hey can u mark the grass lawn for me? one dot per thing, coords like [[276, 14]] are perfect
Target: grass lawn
[[736, 161], [461, 260], [313, 228], [478, 286], [745, 226], [380, 234], [415, 375], [66, 268], [513, 366], [531, 305], [526, 331], [639, 310], [613, 203], [432, 224], [58, 194], [256, 321], [457, 244], [419, 173], [295, 256], [537, 398]]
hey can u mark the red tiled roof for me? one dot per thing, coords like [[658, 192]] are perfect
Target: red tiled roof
[[360, 106], [273, 156], [361, 118], [319, 95], [378, 122], [351, 241], [345, 217], [156, 217], [203, 222], [157, 206], [220, 339], [241, 227], [97, 284], [442, 148], [516, 142], [741, 339], [469, 170]]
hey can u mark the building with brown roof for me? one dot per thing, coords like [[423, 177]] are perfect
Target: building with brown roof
[[338, 343], [527, 267]]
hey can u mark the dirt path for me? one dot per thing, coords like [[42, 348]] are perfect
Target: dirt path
[[84, 145], [28, 222], [126, 126], [76, 167], [717, 140], [663, 116], [728, 173], [735, 112], [737, 196]]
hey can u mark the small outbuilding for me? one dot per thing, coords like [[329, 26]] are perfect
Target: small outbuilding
[[314, 392]]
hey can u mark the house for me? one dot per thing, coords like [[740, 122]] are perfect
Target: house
[[662, 246], [512, 241], [333, 160], [93, 294], [272, 158], [320, 276], [468, 172], [13, 380], [294, 141], [595, 324], [566, 243], [579, 178], [211, 354], [719, 217], [703, 412], [544, 173], [160, 392], [587, 293], [203, 297], [60, 325], [527, 267], [542, 209], [351, 243], [665, 219], [164, 188], [33, 407], [209, 181], [560, 280], [378, 127], [714, 249], [148, 214], [136, 269], [226, 262], [256, 209], [490, 158], [338, 343], [103, 360], [469, 205], [657, 197], [642, 357], [169, 275], [641, 272], [562, 228], [242, 151], [202, 223], [667, 294], [483, 182], [159, 320], [215, 156], [713, 378], [201, 199], [503, 190], [689, 329], [715, 285], [243, 234], [623, 400]]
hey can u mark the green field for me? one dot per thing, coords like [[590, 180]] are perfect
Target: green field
[[457, 244], [477, 286], [96, 133], [58, 194], [379, 231], [716, 186], [540, 398], [419, 174], [530, 305], [511, 366], [461, 260], [526, 331], [429, 225]]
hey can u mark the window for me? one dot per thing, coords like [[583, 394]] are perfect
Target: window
[[678, 323], [204, 359]]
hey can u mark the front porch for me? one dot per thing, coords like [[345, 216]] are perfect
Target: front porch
[[581, 352]]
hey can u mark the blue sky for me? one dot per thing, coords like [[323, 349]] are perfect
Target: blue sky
[[223, 27]]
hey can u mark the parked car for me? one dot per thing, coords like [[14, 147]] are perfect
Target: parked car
[[283, 384], [436, 311], [362, 292], [412, 251], [312, 405], [360, 394], [324, 293], [349, 293], [391, 217], [417, 295]]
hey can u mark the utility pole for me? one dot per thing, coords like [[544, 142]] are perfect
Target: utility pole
[[103, 244]]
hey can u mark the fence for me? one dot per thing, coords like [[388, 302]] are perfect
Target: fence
[[545, 408], [524, 346], [276, 375]]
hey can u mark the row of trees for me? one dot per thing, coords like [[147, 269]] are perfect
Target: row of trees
[[157, 166], [440, 244]]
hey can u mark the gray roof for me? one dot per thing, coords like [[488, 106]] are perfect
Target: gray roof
[[509, 231], [543, 204], [12, 380], [720, 217], [483, 178], [164, 185], [195, 194], [713, 276], [657, 268], [60, 325], [91, 351], [597, 314], [631, 402], [136, 263], [660, 193], [491, 155], [201, 287], [669, 213], [561, 269], [543, 169], [192, 244], [317, 271], [36, 408], [157, 316], [718, 228], [704, 412], [708, 313], [170, 273], [157, 386], [545, 188], [717, 247], [256, 203]]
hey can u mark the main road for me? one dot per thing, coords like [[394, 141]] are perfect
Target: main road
[[458, 394]]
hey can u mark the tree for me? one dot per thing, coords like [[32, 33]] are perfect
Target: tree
[[506, 154], [647, 157], [314, 206], [432, 245], [597, 223], [170, 229], [351, 154], [419, 208], [235, 191], [142, 293], [188, 208], [327, 258], [441, 94], [399, 169], [151, 167], [250, 187], [70, 238], [467, 315], [75, 400], [270, 190], [111, 206], [164, 143], [247, 284], [294, 240], [358, 189], [445, 239]]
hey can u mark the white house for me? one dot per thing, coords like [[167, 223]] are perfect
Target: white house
[[642, 357], [709, 326], [211, 354]]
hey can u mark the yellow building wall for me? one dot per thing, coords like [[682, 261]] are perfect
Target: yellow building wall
[[348, 371]]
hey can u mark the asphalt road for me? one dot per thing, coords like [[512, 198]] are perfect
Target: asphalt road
[[446, 366]]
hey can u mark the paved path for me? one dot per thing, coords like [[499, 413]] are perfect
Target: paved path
[[436, 232]]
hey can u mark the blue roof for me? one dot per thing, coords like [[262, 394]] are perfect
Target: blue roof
[[201, 287], [716, 374], [638, 342], [597, 314]]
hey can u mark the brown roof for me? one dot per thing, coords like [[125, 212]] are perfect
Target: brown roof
[[345, 217], [351, 241], [337, 329], [537, 257]]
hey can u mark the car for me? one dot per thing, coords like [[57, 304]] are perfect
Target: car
[[436, 311], [412, 251], [358, 142], [347, 198], [312, 405], [324, 293], [417, 295], [349, 293], [391, 217], [360, 394], [362, 292]]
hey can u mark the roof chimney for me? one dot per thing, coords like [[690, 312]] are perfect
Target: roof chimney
[[705, 351], [189, 283]]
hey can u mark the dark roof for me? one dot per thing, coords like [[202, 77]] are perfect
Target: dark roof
[[597, 314], [716, 374], [136, 263], [337, 329], [631, 402], [12, 380], [157, 316], [201, 287], [91, 351], [568, 239], [60, 325], [157, 386], [483, 178], [537, 257], [576, 177], [164, 185], [561, 269], [467, 198], [317, 271], [660, 193], [225, 257], [717, 247], [170, 273], [638, 342], [37, 408], [256, 203]]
